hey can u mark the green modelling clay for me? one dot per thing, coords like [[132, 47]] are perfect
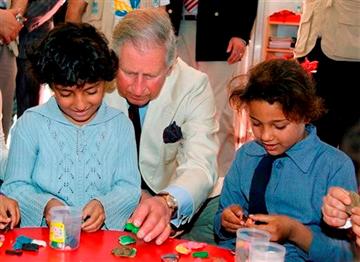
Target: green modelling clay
[[200, 254], [135, 230], [126, 240], [131, 227], [123, 251]]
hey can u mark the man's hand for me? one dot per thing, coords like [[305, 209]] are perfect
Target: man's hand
[[93, 215], [52, 203], [236, 48], [10, 27], [232, 218], [153, 217], [9, 212], [334, 206]]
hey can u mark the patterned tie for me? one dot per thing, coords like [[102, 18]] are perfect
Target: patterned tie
[[260, 180], [190, 5]]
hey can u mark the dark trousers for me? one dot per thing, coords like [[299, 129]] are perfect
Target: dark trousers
[[338, 83], [27, 88]]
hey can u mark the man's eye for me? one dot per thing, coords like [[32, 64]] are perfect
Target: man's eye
[[149, 77], [280, 127]]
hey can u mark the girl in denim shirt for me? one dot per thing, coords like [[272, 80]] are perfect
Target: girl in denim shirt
[[281, 101]]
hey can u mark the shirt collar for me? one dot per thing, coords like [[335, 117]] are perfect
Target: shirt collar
[[302, 153], [51, 110]]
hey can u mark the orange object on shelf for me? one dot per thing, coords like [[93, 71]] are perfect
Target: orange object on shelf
[[285, 16]]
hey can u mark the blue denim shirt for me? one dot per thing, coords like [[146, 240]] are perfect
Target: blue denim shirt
[[296, 188]]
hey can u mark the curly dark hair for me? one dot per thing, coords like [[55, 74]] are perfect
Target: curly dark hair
[[285, 82], [73, 54]]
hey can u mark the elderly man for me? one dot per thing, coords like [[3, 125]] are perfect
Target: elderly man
[[174, 107]]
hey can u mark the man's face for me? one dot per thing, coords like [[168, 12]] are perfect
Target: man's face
[[141, 73]]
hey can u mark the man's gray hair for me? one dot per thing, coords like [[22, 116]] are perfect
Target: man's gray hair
[[145, 28]]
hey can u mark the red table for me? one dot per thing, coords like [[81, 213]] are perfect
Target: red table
[[97, 247]]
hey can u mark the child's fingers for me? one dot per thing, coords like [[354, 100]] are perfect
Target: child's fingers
[[230, 227], [261, 218]]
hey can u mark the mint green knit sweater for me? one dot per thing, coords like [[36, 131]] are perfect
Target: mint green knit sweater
[[50, 157]]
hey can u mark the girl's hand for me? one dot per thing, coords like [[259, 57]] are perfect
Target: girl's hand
[[93, 216], [52, 203], [232, 218], [280, 227], [283, 228]]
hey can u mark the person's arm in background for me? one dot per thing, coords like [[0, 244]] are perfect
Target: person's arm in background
[[19, 6], [9, 26], [240, 22], [75, 10]]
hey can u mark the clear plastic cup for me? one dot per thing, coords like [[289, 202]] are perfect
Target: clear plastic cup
[[267, 252], [65, 227], [245, 237]]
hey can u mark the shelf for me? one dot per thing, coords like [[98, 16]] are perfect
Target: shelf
[[279, 50], [278, 29], [283, 23]]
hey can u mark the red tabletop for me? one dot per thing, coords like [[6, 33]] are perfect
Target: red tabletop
[[97, 247]]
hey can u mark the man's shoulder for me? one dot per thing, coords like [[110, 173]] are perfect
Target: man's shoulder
[[185, 79]]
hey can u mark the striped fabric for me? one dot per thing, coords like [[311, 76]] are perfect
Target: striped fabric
[[190, 5]]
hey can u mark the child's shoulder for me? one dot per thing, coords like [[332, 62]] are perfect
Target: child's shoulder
[[332, 153], [250, 149]]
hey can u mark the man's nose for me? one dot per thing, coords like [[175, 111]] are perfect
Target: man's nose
[[138, 87]]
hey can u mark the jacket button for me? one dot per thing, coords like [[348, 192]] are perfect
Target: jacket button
[[170, 11], [216, 14]]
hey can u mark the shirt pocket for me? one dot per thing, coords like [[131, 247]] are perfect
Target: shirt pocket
[[170, 151]]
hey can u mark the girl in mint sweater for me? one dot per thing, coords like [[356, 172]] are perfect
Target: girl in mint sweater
[[74, 150]]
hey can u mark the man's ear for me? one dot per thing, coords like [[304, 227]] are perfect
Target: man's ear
[[171, 67]]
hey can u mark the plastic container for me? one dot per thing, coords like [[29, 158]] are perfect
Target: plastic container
[[65, 228]]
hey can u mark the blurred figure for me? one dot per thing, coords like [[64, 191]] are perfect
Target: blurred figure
[[329, 32], [39, 15], [9, 30], [105, 14]]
